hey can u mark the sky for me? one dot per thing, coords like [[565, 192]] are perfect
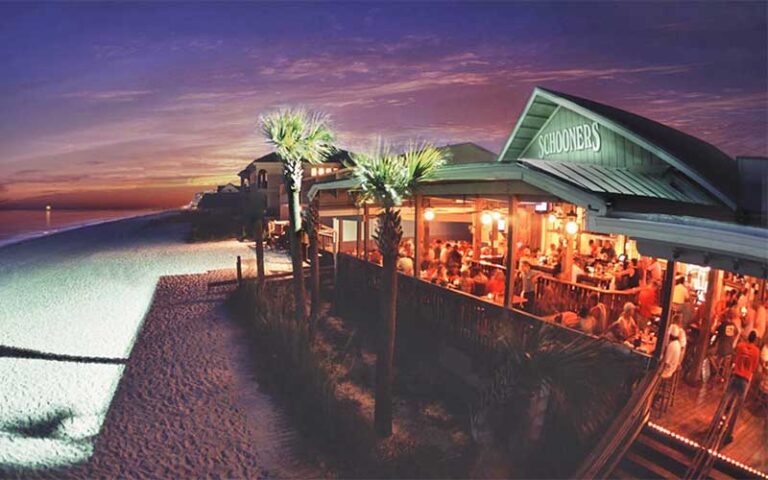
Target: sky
[[138, 105]]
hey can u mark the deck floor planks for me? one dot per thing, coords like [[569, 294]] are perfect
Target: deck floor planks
[[692, 413]]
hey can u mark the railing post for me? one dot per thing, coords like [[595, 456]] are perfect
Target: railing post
[[239, 271], [509, 292]]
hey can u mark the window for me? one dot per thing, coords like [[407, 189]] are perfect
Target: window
[[261, 181], [313, 172]]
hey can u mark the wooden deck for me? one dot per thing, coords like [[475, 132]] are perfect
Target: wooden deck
[[693, 410]]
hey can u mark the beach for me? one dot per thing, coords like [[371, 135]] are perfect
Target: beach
[[84, 293]]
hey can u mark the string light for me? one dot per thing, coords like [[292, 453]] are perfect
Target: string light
[[712, 452]]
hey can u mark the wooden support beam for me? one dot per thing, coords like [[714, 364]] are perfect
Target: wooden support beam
[[511, 260], [666, 309], [714, 290], [418, 234], [366, 230], [359, 237], [477, 229]]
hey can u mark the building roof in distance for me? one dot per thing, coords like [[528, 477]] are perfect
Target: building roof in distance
[[340, 156]]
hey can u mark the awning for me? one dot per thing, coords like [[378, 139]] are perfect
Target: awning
[[728, 246]]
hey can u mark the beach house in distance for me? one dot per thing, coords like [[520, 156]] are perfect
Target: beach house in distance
[[608, 208], [266, 173]]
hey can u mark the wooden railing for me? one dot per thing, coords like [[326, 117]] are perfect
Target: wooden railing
[[554, 295], [623, 431], [466, 321]]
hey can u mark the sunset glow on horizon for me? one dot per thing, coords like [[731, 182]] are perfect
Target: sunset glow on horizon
[[141, 105]]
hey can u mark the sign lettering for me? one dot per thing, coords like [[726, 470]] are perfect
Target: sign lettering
[[571, 139]]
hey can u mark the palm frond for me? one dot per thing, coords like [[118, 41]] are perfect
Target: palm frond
[[388, 178], [297, 135]]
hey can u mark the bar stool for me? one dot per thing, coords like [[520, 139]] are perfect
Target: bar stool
[[663, 398]]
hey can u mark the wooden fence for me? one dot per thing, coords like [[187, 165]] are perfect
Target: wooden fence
[[470, 323]]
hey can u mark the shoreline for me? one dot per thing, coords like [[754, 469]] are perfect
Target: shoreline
[[25, 237]]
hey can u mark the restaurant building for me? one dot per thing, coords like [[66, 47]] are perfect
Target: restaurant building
[[607, 208]]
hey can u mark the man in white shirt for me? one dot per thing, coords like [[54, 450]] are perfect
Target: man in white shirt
[[672, 355]]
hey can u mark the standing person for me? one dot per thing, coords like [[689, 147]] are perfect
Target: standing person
[[745, 361], [654, 271], [528, 277], [576, 270], [727, 334], [673, 354]]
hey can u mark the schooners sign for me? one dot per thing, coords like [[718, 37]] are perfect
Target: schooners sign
[[571, 139]]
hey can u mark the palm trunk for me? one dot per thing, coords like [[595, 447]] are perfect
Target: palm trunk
[[388, 237], [259, 236], [313, 225], [292, 178], [538, 407]]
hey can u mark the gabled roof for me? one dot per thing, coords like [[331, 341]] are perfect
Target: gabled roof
[[340, 156], [700, 161], [468, 152]]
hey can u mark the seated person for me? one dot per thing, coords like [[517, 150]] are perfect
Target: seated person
[[441, 276], [587, 322], [624, 329], [567, 319], [405, 265], [480, 281], [428, 269], [496, 284], [466, 284]]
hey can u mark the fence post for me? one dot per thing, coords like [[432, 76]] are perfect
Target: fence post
[[239, 271]]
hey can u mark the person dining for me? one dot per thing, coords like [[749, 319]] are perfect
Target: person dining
[[496, 284], [480, 280], [587, 322], [441, 276], [624, 329], [405, 264], [466, 283]]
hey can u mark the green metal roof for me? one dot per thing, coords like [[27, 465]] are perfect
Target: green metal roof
[[667, 184], [701, 162]]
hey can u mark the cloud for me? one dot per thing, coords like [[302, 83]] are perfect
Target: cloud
[[108, 95]]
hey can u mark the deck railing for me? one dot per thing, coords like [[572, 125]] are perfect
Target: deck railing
[[623, 431], [471, 323], [554, 296]]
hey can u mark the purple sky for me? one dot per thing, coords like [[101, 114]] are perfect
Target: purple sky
[[138, 104]]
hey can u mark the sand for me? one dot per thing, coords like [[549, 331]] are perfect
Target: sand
[[87, 293], [188, 405]]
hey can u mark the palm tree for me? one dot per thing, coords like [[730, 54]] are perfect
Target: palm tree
[[552, 397], [297, 136], [387, 178]]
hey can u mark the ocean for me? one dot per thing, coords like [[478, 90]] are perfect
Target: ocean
[[18, 225]]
